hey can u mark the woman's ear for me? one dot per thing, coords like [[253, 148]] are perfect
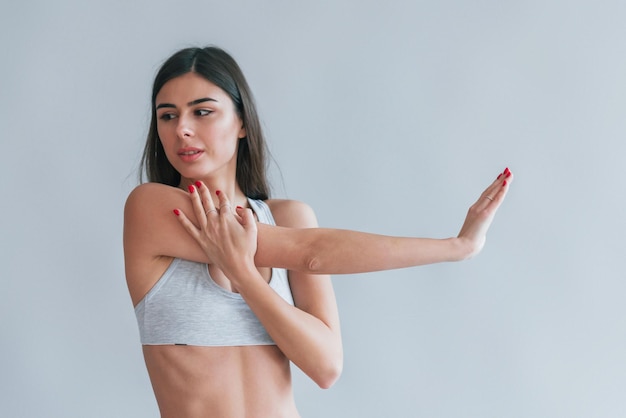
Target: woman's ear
[[242, 132]]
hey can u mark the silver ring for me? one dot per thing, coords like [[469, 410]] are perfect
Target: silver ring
[[226, 206], [489, 197], [209, 211]]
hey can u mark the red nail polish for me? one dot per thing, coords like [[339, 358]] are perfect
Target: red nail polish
[[508, 174], [239, 207], [217, 192], [198, 184], [191, 188], [176, 212], [504, 183], [499, 175], [507, 171]]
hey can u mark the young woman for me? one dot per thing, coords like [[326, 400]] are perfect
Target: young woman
[[228, 285]]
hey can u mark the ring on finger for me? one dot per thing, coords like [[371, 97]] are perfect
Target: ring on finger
[[227, 205], [489, 197], [209, 211]]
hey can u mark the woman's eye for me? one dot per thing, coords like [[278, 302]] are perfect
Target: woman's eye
[[203, 112], [166, 116]]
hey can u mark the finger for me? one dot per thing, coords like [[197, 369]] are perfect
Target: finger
[[247, 219], [224, 204], [488, 196], [238, 214], [497, 183], [187, 224], [496, 192], [504, 188], [205, 197], [196, 203], [494, 186]]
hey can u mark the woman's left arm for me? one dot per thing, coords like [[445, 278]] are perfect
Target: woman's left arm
[[307, 333]]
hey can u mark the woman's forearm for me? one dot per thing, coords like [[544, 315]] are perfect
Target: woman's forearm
[[335, 251], [305, 339]]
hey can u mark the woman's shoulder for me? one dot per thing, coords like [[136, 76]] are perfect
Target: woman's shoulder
[[150, 197], [149, 191], [153, 235], [151, 204], [292, 213]]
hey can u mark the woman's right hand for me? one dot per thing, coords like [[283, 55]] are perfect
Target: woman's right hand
[[228, 237], [473, 234]]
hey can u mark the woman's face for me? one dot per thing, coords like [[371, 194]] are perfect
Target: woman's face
[[198, 127]]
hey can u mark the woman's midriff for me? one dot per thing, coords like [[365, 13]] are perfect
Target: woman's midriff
[[228, 382]]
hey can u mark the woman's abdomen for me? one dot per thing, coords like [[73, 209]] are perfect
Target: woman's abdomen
[[232, 382]]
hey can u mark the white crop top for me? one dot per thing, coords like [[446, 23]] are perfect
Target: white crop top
[[186, 307]]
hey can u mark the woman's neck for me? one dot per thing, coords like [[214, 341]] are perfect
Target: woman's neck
[[231, 188]]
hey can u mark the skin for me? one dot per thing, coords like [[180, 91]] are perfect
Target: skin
[[198, 118]]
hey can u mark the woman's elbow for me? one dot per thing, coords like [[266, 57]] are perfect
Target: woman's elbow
[[313, 264], [329, 376], [313, 252]]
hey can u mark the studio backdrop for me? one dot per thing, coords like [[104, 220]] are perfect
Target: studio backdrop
[[386, 117]]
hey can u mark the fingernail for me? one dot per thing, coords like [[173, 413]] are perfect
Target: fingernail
[[198, 184], [176, 212], [507, 171], [499, 175], [217, 192], [508, 174], [191, 188], [239, 207], [504, 183]]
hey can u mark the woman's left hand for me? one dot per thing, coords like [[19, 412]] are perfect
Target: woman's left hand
[[480, 215], [228, 236]]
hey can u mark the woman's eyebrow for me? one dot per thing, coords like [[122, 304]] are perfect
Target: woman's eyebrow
[[191, 103], [204, 99]]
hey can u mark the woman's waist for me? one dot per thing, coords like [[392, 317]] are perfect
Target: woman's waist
[[228, 379]]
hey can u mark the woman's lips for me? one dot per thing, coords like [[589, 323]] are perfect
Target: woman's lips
[[189, 154]]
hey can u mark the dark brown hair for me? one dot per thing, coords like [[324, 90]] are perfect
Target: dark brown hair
[[219, 68]]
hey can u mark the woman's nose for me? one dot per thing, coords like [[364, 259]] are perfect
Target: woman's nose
[[184, 128]]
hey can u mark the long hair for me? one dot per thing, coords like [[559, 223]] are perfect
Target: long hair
[[219, 68]]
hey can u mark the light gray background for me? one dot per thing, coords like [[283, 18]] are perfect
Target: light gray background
[[387, 118]]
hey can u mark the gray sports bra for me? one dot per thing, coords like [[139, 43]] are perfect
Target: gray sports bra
[[186, 307]]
